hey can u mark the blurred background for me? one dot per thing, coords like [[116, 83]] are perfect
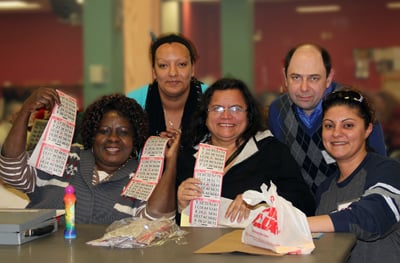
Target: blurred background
[[92, 47]]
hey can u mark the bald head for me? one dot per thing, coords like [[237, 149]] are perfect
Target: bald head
[[307, 75], [317, 51]]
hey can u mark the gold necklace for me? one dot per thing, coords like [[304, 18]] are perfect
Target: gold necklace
[[168, 120]]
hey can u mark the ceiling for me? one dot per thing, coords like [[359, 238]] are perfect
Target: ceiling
[[49, 5], [45, 6]]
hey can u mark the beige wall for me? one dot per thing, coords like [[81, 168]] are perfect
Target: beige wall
[[140, 18]]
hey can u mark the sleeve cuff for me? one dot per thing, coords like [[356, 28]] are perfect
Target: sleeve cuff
[[340, 221]]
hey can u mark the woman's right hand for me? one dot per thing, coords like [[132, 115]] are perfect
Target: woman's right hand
[[41, 98], [188, 190], [15, 142]]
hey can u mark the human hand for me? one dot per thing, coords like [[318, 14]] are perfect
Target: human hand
[[174, 136], [237, 209], [42, 98], [188, 190]]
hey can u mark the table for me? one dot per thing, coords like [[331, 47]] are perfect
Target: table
[[332, 247]]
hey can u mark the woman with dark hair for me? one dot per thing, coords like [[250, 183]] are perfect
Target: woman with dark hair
[[174, 94], [363, 196], [230, 117], [114, 128]]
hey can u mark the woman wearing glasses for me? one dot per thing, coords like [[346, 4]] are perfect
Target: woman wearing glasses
[[363, 196], [229, 117]]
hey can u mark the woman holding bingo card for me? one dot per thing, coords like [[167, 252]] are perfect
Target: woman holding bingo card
[[114, 128], [230, 117], [363, 196]]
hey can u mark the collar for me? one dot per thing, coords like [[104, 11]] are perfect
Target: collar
[[316, 115], [249, 149]]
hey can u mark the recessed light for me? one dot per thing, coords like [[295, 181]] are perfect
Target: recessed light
[[17, 5], [393, 5], [318, 9]]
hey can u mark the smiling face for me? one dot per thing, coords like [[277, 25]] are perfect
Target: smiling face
[[226, 127], [306, 78], [173, 69], [113, 142], [344, 133]]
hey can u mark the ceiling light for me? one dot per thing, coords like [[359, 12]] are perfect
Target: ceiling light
[[193, 1], [393, 5], [17, 5], [318, 9]]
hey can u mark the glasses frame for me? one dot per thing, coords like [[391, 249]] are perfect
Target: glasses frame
[[234, 109]]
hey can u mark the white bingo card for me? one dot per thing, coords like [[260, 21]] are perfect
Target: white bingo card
[[51, 152], [149, 170], [209, 169]]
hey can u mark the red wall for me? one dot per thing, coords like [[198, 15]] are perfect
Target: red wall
[[36, 48], [201, 23], [39, 49], [359, 24]]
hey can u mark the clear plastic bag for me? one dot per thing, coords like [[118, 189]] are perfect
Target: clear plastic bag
[[139, 233]]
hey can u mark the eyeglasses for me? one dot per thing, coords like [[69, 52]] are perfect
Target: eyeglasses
[[235, 109], [345, 95]]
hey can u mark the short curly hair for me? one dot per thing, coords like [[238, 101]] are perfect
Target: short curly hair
[[127, 107]]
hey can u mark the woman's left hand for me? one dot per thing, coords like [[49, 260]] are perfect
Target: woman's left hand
[[238, 210], [174, 136]]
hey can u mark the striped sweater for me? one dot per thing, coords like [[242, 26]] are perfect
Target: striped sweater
[[372, 193], [96, 204]]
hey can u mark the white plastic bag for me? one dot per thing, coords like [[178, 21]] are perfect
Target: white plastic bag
[[281, 227]]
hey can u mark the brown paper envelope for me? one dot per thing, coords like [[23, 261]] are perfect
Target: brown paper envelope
[[232, 242]]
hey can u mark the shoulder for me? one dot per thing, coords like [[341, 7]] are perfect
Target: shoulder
[[264, 135], [203, 87], [334, 86], [139, 94], [197, 86], [283, 98], [380, 170], [282, 102], [324, 186], [376, 139], [142, 90], [378, 161], [266, 141]]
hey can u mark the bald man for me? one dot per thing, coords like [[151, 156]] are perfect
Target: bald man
[[295, 117]]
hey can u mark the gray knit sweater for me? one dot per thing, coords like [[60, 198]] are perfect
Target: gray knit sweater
[[96, 204]]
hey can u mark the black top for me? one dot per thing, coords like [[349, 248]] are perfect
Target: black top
[[262, 160], [154, 109]]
